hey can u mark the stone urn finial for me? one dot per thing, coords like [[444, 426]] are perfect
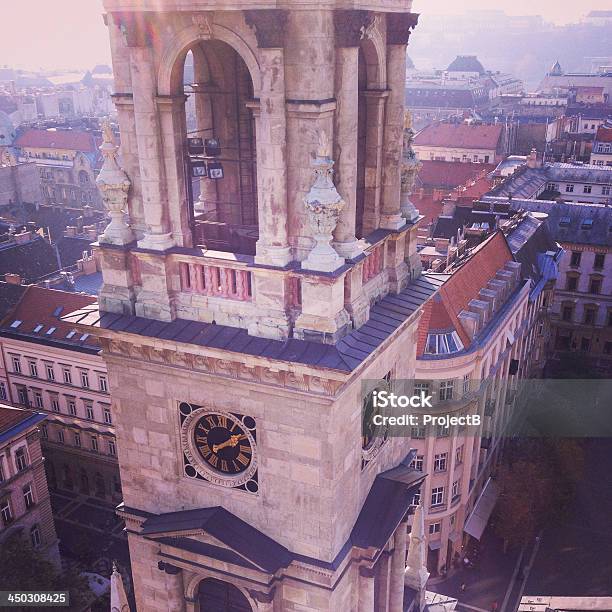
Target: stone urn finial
[[323, 204], [410, 169], [113, 184]]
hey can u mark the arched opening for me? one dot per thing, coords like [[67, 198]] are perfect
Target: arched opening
[[219, 596], [221, 180], [84, 482], [67, 473], [99, 485]]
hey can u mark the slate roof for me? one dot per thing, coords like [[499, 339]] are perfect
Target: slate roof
[[69, 140], [33, 260], [604, 132], [466, 63], [460, 135]]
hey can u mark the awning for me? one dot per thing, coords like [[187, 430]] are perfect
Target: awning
[[476, 523]]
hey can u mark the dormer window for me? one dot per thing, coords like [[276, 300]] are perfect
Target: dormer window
[[443, 344], [50, 331], [38, 328], [587, 224], [71, 334], [564, 222], [15, 324]]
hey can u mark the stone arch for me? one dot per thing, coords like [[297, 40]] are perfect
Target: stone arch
[[170, 74], [374, 51], [192, 589]]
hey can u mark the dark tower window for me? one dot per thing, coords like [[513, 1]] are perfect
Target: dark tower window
[[218, 596]]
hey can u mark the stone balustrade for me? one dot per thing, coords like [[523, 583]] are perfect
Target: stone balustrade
[[216, 280], [373, 264]]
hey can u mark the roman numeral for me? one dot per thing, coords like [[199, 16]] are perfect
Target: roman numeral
[[222, 420], [224, 466], [242, 459], [213, 460]]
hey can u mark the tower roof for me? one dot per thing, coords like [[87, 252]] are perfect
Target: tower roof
[[556, 69], [466, 63]]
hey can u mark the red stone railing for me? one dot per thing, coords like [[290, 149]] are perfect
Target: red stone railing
[[217, 281], [373, 263]]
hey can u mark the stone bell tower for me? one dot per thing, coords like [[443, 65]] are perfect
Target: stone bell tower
[[260, 264]]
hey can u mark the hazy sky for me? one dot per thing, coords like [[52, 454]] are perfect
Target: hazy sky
[[57, 34]]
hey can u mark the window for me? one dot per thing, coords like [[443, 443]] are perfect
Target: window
[[6, 512], [45, 432], [89, 411], [50, 331], [567, 313], [50, 371], [466, 383], [435, 528], [440, 462], [575, 259], [446, 390], [417, 433], [38, 399], [595, 285], [72, 407], [572, 282], [3, 392], [85, 379], [417, 463], [55, 405], [585, 344], [22, 396], [441, 344], [2, 476], [605, 190], [610, 318], [112, 450], [94, 443], [38, 328], [421, 387], [598, 263], [16, 364], [459, 455], [77, 439], [15, 324], [60, 435], [456, 488], [33, 369], [28, 496], [589, 316], [586, 189], [21, 459], [569, 188], [103, 384], [607, 348], [107, 415], [35, 536], [67, 376], [437, 496], [442, 431]]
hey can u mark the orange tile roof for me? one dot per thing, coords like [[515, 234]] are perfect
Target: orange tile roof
[[460, 136], [449, 174], [10, 416], [70, 140], [442, 312], [40, 306]]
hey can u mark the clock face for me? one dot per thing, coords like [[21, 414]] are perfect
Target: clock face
[[219, 446], [223, 442]]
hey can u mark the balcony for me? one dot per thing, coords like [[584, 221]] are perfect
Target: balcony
[[226, 237], [218, 280]]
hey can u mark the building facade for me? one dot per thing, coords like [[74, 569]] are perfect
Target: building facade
[[602, 145], [24, 497], [68, 162], [236, 367], [49, 366]]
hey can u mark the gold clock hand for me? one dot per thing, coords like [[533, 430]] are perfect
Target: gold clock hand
[[231, 441]]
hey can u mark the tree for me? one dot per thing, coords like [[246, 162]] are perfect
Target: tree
[[537, 481], [25, 569]]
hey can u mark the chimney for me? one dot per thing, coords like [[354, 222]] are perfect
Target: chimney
[[12, 279], [532, 159], [70, 231]]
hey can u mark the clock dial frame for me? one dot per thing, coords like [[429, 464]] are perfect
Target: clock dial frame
[[220, 446]]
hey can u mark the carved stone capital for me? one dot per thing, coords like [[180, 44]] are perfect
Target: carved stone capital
[[400, 26], [350, 26], [269, 26], [136, 28], [367, 572]]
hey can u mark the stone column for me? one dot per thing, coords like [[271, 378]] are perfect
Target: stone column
[[366, 589], [271, 125], [416, 574], [398, 32], [142, 69], [175, 592], [398, 567], [349, 26]]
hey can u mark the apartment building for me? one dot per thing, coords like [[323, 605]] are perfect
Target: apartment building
[[50, 366], [24, 495], [477, 337]]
